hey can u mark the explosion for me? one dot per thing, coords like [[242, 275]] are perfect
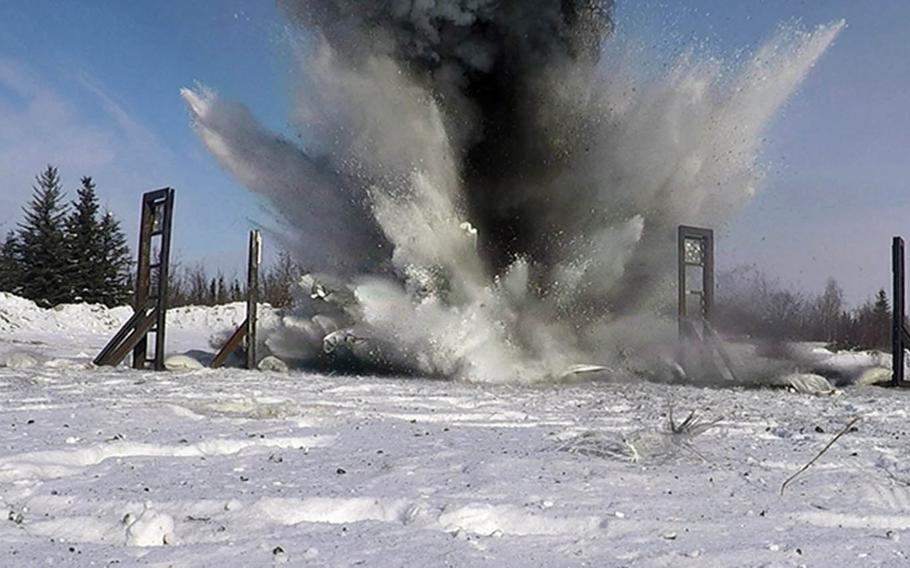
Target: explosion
[[480, 192]]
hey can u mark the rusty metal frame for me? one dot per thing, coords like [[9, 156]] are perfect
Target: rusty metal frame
[[705, 238], [706, 341], [246, 330], [150, 301]]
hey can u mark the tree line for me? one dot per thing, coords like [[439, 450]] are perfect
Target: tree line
[[193, 285], [71, 252], [65, 252], [748, 303]]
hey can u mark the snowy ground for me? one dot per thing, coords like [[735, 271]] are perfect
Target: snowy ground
[[237, 468]]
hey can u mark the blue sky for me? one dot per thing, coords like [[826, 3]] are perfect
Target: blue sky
[[93, 87]]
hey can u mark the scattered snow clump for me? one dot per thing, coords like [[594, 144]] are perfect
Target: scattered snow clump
[[151, 528], [65, 364], [19, 360]]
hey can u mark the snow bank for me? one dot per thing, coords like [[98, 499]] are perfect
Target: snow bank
[[21, 315], [81, 330]]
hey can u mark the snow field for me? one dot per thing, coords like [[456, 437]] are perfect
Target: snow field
[[227, 467], [237, 468]]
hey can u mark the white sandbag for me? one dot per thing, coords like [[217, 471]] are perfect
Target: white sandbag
[[807, 383], [182, 363]]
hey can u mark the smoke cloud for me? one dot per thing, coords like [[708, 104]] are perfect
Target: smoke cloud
[[497, 199]]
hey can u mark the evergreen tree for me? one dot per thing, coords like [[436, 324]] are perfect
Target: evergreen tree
[[221, 296], [882, 320], [10, 268], [41, 245], [236, 291], [882, 307], [115, 264], [84, 247]]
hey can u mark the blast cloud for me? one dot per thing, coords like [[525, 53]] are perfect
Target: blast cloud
[[499, 198]]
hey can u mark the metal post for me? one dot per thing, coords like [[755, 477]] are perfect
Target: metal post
[[708, 280], [681, 286], [164, 262], [252, 297], [143, 274], [898, 332]]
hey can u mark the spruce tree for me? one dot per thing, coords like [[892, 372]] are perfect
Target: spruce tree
[[881, 320], [116, 263], [882, 306], [236, 291], [221, 296], [41, 245], [10, 267], [84, 247]]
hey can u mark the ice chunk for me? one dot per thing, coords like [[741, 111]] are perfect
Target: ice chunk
[[274, 364], [151, 528], [874, 376]]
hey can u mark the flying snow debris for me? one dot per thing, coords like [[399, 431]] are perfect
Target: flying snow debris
[[491, 197]]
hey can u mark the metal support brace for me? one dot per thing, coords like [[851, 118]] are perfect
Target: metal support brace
[[232, 344]]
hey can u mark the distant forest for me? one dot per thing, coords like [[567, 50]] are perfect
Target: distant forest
[[66, 252], [70, 252], [750, 304], [193, 285]]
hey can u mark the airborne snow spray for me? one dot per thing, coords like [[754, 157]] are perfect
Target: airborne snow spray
[[489, 189]]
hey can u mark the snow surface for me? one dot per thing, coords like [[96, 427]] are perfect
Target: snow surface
[[246, 468]]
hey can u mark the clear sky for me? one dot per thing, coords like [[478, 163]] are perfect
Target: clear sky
[[93, 88]]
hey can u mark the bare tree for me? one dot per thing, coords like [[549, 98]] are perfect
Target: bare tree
[[828, 312]]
